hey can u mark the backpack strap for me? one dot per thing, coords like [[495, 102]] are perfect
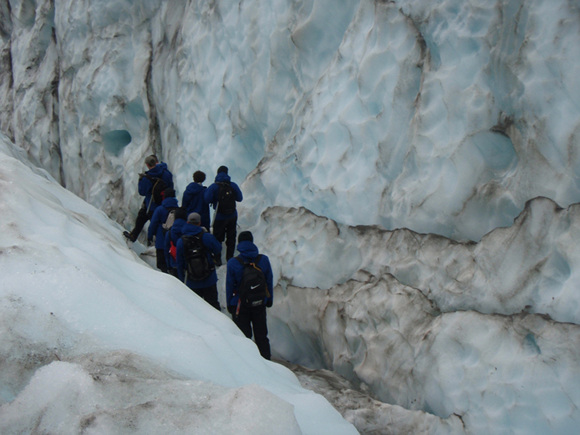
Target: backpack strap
[[154, 181], [151, 178], [243, 263]]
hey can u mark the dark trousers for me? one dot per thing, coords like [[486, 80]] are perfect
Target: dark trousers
[[161, 263], [210, 295], [226, 230], [142, 217], [254, 318]]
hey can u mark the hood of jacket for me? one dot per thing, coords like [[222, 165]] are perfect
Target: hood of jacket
[[194, 188], [222, 177], [192, 229], [170, 203], [158, 170], [177, 229], [248, 250]]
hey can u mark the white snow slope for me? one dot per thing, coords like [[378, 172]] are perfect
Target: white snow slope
[[95, 341]]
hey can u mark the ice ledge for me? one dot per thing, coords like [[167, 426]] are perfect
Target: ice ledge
[[529, 267]]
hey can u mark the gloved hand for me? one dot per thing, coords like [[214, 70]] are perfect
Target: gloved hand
[[232, 310], [217, 260], [269, 302], [149, 242]]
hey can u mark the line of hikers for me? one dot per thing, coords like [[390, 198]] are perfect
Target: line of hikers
[[186, 249]]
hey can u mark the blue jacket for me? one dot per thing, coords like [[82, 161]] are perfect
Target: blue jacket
[[146, 185], [212, 192], [248, 251], [158, 219], [213, 247], [194, 201], [173, 235]]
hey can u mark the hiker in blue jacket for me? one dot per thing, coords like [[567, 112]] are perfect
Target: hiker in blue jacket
[[155, 171], [171, 238], [193, 199], [226, 217], [249, 318], [156, 226], [205, 288]]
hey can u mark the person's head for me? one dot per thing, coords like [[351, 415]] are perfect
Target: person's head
[[151, 161], [222, 169], [168, 193], [245, 236], [198, 177], [194, 218], [181, 213]]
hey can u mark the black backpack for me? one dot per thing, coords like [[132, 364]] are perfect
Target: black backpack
[[253, 288], [197, 263], [158, 187], [226, 198]]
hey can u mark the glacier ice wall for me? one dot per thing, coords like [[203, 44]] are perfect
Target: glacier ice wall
[[441, 117], [488, 332], [529, 267]]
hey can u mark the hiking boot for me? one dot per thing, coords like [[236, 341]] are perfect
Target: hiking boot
[[129, 236]]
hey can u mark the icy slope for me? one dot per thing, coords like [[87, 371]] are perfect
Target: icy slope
[[92, 339]]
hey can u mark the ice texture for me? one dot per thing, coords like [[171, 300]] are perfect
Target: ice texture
[[442, 117], [411, 167]]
